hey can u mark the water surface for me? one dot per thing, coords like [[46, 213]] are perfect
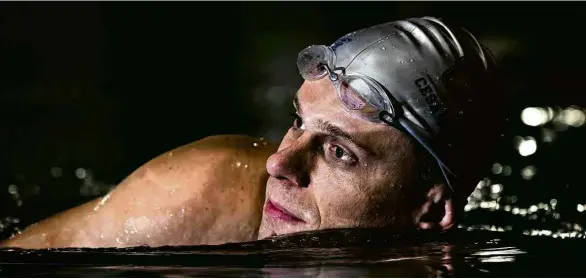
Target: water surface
[[334, 253]]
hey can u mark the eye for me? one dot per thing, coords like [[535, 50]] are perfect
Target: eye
[[297, 121], [341, 155]]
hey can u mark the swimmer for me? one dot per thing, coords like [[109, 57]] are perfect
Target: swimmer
[[394, 126]]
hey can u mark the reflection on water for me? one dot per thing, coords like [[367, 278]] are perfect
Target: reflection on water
[[334, 253]]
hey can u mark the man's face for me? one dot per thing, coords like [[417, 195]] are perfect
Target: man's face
[[336, 171]]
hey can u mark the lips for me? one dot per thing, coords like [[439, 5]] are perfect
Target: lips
[[278, 212]]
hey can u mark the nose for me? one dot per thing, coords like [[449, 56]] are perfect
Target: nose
[[291, 163]]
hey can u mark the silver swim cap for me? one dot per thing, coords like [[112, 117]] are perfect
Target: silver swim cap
[[430, 70]]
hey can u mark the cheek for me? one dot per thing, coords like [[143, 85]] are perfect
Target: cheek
[[363, 199], [342, 208], [341, 198]]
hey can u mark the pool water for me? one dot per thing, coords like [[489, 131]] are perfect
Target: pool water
[[332, 253]]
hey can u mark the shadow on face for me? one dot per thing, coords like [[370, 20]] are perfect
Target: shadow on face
[[336, 171]]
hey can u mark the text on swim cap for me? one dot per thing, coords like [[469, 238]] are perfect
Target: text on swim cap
[[340, 42], [427, 90]]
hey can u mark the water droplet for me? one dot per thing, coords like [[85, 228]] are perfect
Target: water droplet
[[264, 143], [238, 164], [102, 201], [383, 48], [261, 139], [461, 112], [411, 60], [148, 236], [401, 61], [101, 236], [118, 240], [255, 144], [245, 166]]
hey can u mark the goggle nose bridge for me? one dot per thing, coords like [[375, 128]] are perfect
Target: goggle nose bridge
[[334, 77]]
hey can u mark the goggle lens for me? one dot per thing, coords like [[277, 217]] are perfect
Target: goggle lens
[[313, 60], [360, 98]]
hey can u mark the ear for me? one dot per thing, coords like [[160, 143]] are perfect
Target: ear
[[437, 211]]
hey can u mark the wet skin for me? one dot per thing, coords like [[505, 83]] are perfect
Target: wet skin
[[330, 171], [333, 170], [207, 192]]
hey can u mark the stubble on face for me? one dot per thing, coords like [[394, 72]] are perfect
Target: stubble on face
[[371, 193]]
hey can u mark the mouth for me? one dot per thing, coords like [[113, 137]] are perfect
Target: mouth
[[278, 212]]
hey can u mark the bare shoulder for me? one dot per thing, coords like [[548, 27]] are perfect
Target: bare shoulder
[[207, 192]]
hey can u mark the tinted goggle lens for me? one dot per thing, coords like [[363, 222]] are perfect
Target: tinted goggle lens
[[313, 60], [360, 98]]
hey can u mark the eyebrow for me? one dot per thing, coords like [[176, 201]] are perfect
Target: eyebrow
[[332, 129], [336, 131]]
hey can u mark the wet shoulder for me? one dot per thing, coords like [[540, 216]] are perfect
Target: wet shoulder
[[215, 163], [219, 182]]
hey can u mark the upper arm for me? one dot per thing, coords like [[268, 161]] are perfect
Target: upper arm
[[207, 192]]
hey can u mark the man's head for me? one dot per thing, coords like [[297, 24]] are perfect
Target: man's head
[[387, 119]]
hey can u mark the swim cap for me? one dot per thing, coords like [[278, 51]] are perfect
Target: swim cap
[[439, 72]]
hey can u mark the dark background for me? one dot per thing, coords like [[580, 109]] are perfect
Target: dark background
[[90, 91]]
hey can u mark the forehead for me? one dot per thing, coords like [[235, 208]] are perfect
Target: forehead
[[318, 101]]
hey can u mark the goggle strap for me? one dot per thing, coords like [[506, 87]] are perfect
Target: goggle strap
[[413, 133], [446, 177], [417, 117], [410, 130]]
